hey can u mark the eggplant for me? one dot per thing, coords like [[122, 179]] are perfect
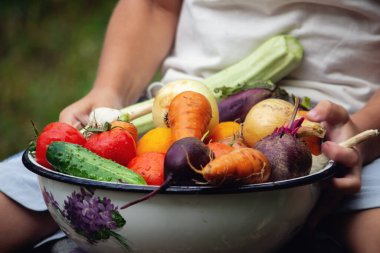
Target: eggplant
[[237, 106]]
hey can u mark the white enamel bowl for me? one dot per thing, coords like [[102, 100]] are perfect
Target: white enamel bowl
[[252, 218]]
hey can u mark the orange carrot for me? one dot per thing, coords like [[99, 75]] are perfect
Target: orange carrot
[[242, 166], [189, 115], [313, 142]]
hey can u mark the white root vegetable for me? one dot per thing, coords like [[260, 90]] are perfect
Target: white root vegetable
[[99, 116], [320, 161], [102, 115]]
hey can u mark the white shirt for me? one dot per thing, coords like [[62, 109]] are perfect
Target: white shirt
[[341, 41]]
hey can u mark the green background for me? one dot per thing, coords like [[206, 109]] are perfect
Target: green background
[[49, 52]]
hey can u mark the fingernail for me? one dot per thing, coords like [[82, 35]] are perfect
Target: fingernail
[[313, 114]]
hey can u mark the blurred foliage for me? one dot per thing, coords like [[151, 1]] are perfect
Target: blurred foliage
[[49, 53]]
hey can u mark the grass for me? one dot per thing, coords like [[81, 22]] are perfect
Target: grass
[[49, 53]]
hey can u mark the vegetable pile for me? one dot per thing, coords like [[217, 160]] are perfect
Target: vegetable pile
[[236, 127]]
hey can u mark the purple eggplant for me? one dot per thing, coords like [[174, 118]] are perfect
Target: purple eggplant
[[236, 106]]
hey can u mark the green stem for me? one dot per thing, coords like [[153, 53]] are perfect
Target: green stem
[[121, 240], [144, 123], [137, 110]]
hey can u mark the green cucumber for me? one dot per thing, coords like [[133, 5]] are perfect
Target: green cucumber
[[75, 160]]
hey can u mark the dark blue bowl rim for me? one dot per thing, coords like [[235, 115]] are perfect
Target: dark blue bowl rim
[[325, 173]]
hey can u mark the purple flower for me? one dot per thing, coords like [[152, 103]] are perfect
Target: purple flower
[[92, 216], [49, 198]]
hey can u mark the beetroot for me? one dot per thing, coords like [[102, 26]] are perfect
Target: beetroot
[[182, 156], [289, 157]]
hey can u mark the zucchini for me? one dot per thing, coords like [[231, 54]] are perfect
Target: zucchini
[[75, 160], [270, 62]]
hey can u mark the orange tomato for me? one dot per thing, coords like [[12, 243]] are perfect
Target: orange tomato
[[129, 127], [235, 142], [155, 140], [219, 148], [150, 166], [224, 130]]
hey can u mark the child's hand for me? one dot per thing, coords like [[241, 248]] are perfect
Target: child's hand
[[77, 114], [339, 128]]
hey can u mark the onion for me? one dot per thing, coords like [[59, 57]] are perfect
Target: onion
[[264, 118], [272, 113], [166, 94]]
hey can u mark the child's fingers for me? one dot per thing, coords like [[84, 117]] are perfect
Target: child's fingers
[[329, 112], [350, 181], [78, 120]]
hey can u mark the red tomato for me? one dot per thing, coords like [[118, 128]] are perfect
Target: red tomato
[[150, 166], [115, 144], [56, 131]]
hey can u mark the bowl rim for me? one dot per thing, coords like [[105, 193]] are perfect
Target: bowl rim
[[30, 163]]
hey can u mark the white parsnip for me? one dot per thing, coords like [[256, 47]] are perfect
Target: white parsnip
[[320, 161]]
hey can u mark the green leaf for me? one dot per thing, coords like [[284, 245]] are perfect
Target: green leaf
[[228, 91], [104, 128], [116, 217], [306, 103]]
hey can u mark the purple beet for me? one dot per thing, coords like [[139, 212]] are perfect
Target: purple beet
[[289, 157], [236, 107], [182, 156]]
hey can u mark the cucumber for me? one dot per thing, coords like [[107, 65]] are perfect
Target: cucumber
[[75, 160]]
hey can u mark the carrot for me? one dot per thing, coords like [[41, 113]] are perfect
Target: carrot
[[189, 115], [244, 165], [313, 142]]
